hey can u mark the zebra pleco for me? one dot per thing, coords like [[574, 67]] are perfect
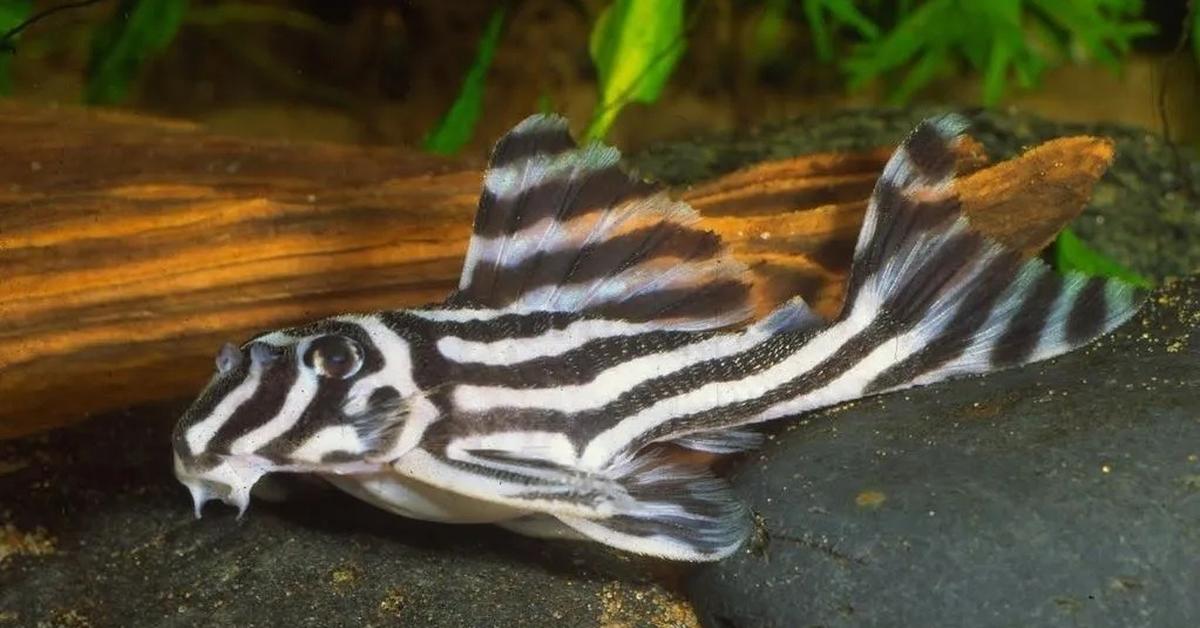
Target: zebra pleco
[[595, 317]]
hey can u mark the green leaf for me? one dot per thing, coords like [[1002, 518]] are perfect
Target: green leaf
[[848, 14], [635, 45], [912, 38], [138, 30], [995, 76], [820, 31], [12, 13], [1105, 30], [457, 126], [1070, 253], [1001, 39], [921, 74], [843, 12]]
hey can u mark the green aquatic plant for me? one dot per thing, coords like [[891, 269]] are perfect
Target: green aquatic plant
[[457, 125], [137, 30], [1002, 40], [907, 45], [140, 29], [824, 16], [1071, 253], [634, 45], [826, 19]]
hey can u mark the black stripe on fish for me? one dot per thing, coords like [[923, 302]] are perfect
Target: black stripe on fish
[[595, 260], [263, 405], [575, 366], [676, 511], [930, 149], [708, 301], [382, 424], [911, 199], [733, 414], [511, 325], [330, 394], [581, 427], [557, 230], [206, 404], [904, 309], [1028, 325], [900, 219], [1088, 312], [960, 332], [538, 135], [506, 211]]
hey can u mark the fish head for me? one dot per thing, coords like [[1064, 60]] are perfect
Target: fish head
[[324, 398]]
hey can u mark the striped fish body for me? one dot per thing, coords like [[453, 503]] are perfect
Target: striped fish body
[[595, 320]]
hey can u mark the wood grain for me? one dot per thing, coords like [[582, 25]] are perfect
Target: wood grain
[[131, 247]]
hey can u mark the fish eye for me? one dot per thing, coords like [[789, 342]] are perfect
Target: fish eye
[[228, 358], [337, 357]]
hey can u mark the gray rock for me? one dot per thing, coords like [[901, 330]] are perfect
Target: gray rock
[[94, 531], [1065, 493]]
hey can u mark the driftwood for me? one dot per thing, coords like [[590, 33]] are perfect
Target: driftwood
[[131, 247]]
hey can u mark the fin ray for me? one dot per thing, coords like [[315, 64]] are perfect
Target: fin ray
[[564, 228], [728, 441], [793, 316], [974, 304], [678, 512], [533, 485], [649, 505]]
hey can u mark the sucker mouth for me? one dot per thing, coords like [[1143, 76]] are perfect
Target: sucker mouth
[[230, 481]]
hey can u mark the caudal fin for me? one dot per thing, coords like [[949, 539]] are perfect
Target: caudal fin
[[972, 304]]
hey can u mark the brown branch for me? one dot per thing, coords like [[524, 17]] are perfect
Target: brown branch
[[131, 248]]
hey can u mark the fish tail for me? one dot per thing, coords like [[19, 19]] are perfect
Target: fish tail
[[964, 302], [928, 298]]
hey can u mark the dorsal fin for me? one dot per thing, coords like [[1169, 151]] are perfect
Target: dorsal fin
[[565, 228]]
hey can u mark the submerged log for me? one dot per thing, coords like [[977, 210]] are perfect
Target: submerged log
[[131, 247]]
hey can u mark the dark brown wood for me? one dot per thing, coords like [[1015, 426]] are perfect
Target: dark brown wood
[[131, 247]]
